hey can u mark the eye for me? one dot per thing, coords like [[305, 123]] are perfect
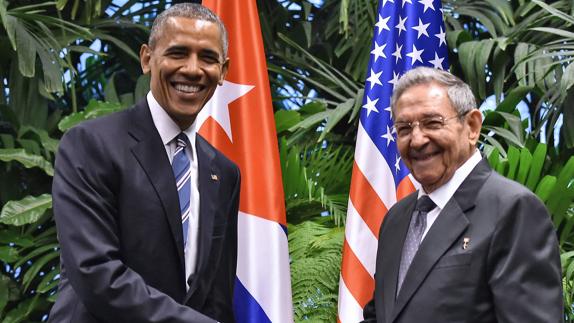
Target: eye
[[403, 129], [434, 123], [177, 54]]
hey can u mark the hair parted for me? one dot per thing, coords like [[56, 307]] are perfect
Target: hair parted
[[459, 93], [192, 11]]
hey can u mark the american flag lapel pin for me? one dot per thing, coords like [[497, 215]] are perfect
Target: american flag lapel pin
[[214, 177], [465, 243]]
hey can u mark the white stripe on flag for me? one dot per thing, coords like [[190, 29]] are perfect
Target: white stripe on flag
[[360, 239], [374, 167], [263, 265], [349, 309]]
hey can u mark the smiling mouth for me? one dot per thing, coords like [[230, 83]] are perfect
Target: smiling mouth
[[186, 88], [423, 156]]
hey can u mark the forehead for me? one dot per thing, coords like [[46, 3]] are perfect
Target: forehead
[[182, 31], [423, 100]]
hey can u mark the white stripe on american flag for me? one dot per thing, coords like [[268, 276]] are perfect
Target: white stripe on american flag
[[349, 309], [374, 167], [361, 239]]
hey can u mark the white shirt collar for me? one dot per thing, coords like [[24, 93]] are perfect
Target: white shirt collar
[[165, 125], [443, 194]]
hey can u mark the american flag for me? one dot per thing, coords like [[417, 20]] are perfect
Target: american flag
[[408, 33]]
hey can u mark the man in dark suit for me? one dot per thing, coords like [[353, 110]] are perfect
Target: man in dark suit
[[146, 209], [470, 245]]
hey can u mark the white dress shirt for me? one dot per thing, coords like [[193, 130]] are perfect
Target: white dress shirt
[[168, 131], [443, 194]]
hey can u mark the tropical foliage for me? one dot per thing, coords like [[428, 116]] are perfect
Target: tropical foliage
[[66, 61]]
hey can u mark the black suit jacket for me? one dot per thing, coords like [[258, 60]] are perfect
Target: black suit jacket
[[117, 214], [509, 272]]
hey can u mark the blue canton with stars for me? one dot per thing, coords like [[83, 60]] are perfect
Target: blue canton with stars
[[408, 33]]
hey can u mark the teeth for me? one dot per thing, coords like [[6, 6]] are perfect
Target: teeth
[[187, 88]]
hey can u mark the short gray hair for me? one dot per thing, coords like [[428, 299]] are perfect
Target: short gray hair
[[459, 93], [192, 11]]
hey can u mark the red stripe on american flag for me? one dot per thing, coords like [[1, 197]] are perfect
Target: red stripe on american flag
[[358, 280], [405, 188], [366, 201]]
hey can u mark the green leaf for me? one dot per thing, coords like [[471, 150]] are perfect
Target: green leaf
[[9, 23], [524, 165], [25, 211], [26, 49], [142, 86], [336, 115], [50, 144], [15, 236], [555, 12], [538, 159], [313, 107], [285, 119], [545, 187], [37, 265], [123, 46], [22, 311], [8, 254], [513, 159], [38, 250], [48, 283], [93, 110], [110, 93], [561, 196], [507, 135], [4, 281], [27, 160], [513, 98]]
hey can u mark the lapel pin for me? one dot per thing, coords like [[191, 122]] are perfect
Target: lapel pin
[[214, 177], [465, 243]]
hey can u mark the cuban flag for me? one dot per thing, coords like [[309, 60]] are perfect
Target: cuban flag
[[408, 33], [238, 120]]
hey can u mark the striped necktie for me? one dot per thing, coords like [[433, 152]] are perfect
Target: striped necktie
[[182, 171]]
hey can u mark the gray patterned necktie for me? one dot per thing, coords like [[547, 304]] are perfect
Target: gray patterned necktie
[[414, 235]]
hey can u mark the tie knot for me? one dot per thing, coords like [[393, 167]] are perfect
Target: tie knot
[[181, 140], [425, 204]]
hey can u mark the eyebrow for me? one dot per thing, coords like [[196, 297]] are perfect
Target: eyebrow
[[424, 116], [176, 48]]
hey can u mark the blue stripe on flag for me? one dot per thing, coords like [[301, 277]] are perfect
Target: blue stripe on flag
[[246, 308]]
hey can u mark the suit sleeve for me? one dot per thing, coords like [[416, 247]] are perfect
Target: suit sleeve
[[524, 264], [85, 209], [220, 302]]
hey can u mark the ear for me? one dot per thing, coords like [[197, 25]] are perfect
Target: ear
[[224, 69], [474, 121], [145, 57]]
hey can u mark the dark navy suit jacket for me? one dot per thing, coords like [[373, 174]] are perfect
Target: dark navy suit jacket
[[117, 214]]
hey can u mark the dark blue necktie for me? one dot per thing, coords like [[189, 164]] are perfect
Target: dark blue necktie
[[414, 236], [182, 171]]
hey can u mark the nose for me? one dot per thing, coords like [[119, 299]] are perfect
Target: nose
[[418, 137], [191, 66]]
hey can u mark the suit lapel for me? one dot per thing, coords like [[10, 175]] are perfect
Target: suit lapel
[[209, 178], [448, 226], [393, 260], [150, 153]]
